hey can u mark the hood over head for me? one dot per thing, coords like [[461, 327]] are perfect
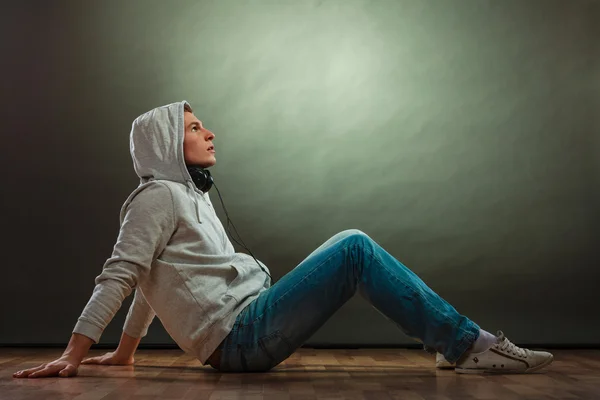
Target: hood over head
[[156, 146]]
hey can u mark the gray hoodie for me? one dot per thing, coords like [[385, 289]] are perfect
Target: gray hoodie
[[172, 249]]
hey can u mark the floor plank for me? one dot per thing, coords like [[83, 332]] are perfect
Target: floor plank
[[309, 374]]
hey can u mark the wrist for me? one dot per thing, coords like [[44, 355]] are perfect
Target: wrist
[[123, 354], [73, 357], [127, 346], [77, 348]]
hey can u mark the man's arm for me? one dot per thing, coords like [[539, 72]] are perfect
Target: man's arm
[[147, 223], [127, 346], [139, 318]]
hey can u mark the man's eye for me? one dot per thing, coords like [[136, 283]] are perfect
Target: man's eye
[[193, 127]]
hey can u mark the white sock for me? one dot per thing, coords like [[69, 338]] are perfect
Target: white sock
[[483, 342]]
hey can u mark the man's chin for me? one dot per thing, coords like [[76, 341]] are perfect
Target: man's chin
[[208, 163]]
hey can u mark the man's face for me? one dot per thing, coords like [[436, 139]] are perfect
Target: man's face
[[197, 143]]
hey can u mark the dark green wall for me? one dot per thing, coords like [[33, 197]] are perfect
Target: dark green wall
[[463, 136]]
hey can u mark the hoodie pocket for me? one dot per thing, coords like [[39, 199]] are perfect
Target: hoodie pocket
[[234, 281]]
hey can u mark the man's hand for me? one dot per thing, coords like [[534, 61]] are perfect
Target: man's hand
[[66, 365], [112, 358], [63, 367]]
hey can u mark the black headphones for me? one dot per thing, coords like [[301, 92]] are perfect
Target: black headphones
[[201, 177]]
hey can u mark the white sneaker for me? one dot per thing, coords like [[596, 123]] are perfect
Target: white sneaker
[[503, 357], [442, 363]]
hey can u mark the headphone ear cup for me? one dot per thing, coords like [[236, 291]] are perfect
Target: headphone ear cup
[[208, 180], [201, 177]]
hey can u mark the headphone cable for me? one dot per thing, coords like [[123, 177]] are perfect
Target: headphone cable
[[243, 245]]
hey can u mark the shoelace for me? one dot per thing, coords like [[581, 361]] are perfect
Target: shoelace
[[507, 346]]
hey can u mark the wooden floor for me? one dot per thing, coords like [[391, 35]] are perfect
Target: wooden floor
[[307, 374]]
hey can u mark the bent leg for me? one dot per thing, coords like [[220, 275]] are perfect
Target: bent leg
[[287, 314]]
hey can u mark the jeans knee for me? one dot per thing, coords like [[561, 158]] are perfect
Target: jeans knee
[[361, 242], [356, 235], [353, 233]]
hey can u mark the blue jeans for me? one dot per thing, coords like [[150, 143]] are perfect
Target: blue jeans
[[287, 314]]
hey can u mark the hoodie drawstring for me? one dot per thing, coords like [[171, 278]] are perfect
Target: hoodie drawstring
[[190, 185]]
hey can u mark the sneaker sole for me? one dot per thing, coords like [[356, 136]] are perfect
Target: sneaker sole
[[503, 371]]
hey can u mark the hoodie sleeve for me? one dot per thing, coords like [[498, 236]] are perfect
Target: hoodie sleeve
[[139, 317], [146, 227]]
